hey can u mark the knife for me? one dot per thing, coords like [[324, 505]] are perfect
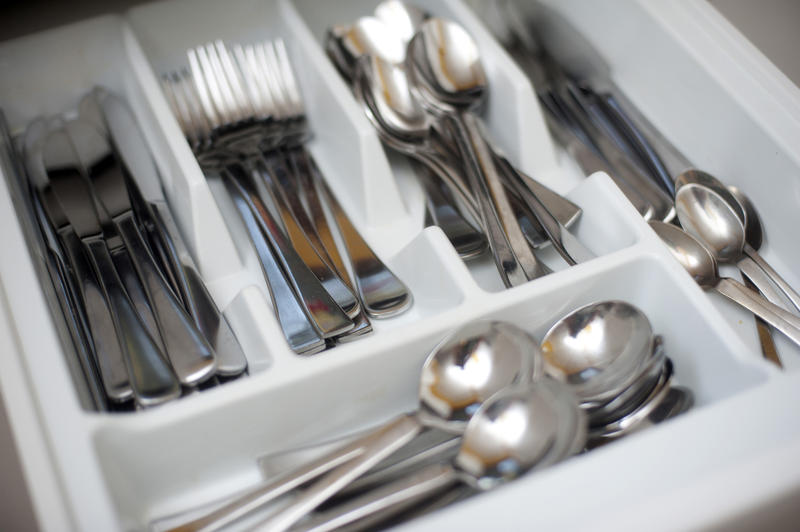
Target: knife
[[191, 356], [144, 185], [99, 322], [151, 378]]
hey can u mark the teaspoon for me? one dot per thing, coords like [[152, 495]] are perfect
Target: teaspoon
[[702, 266], [754, 235], [443, 64], [712, 214]]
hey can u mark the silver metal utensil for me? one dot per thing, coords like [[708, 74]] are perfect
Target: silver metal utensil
[[449, 86], [189, 353], [109, 112], [700, 264], [466, 368], [519, 429], [151, 378]]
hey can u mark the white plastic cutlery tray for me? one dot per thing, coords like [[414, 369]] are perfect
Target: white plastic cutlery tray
[[731, 458]]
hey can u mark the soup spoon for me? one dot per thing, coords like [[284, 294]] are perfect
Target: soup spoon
[[599, 350], [464, 370], [702, 266], [517, 430]]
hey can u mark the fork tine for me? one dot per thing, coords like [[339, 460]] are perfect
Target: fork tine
[[215, 77], [262, 83], [202, 89], [289, 79], [252, 93], [234, 78], [263, 64], [201, 124], [275, 73]]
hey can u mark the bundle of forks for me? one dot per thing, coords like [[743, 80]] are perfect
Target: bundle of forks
[[242, 112]]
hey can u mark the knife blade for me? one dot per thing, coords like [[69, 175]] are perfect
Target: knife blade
[[150, 376], [191, 356]]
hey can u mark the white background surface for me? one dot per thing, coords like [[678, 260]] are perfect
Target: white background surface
[[770, 24]]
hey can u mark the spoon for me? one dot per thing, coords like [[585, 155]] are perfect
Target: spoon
[[598, 349], [712, 214], [754, 235], [443, 65], [465, 369], [517, 430], [702, 266], [406, 19]]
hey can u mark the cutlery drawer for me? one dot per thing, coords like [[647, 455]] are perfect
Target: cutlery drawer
[[713, 96]]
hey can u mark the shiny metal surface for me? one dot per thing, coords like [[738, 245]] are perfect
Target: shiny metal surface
[[382, 292], [187, 350], [300, 231], [700, 264], [110, 114], [301, 335], [444, 66], [597, 349], [461, 372], [712, 214], [199, 106], [468, 241], [522, 428], [754, 236], [326, 243], [73, 298], [151, 379]]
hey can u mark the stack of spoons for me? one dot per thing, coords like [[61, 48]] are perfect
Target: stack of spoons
[[494, 404], [424, 104]]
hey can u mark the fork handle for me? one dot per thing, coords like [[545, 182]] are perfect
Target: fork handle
[[382, 292]]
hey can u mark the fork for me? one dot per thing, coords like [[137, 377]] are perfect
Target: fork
[[230, 87], [305, 311], [381, 291]]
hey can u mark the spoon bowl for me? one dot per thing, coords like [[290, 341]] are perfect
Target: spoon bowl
[[517, 430], [444, 63], [706, 215], [753, 230], [598, 349], [702, 266], [465, 369]]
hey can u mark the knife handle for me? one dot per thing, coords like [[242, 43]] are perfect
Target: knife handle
[[192, 358], [150, 376], [107, 345], [231, 360]]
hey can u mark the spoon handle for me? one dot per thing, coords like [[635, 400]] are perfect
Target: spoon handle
[[787, 323], [761, 280], [374, 448], [334, 470], [793, 296], [386, 500]]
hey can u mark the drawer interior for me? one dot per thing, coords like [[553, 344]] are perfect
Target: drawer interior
[[148, 464]]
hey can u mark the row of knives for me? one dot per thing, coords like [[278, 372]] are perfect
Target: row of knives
[[144, 327]]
